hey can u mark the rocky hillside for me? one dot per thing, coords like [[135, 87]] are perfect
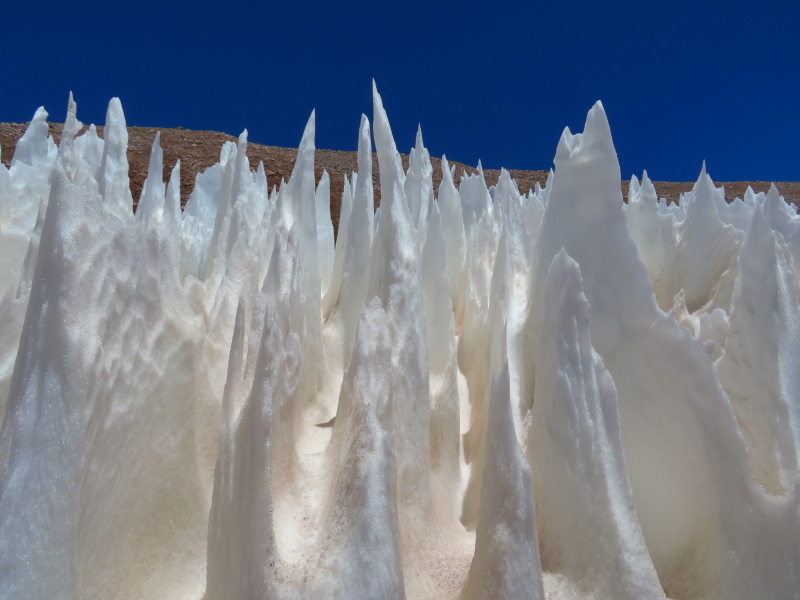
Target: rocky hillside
[[198, 150]]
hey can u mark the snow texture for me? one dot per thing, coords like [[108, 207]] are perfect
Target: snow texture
[[470, 393]]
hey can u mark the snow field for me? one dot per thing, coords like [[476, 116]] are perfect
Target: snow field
[[470, 393]]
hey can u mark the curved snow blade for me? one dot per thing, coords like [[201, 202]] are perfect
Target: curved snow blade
[[588, 529], [506, 563]]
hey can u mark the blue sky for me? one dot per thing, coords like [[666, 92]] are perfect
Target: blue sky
[[681, 81]]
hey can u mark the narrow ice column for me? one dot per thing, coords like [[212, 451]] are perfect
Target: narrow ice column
[[359, 556], [482, 293], [302, 190], [324, 231], [243, 560], [506, 564], [197, 225], [152, 198], [519, 252], [228, 160], [261, 190], [419, 186], [785, 220], [112, 177], [242, 209], [503, 334], [588, 528], [707, 246], [399, 287], [442, 357], [33, 148], [359, 242], [426, 533], [90, 147], [533, 212], [449, 203], [656, 238], [475, 197], [70, 158], [224, 551], [759, 369], [495, 356], [342, 241], [27, 193], [172, 204]]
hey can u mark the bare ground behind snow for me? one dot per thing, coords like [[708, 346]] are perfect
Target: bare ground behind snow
[[198, 150]]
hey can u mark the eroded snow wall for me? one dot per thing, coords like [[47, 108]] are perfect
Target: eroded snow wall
[[471, 393]]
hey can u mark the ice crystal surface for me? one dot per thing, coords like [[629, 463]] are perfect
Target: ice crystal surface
[[470, 393]]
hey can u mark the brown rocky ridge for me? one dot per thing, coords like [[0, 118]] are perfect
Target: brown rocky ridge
[[198, 150]]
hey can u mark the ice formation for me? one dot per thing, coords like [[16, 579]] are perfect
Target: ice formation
[[469, 393]]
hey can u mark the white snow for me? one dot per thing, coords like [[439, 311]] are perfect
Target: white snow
[[471, 393]]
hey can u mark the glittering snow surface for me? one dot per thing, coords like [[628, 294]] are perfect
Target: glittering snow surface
[[470, 394]]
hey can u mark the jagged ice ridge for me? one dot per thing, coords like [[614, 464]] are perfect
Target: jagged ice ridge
[[471, 393]]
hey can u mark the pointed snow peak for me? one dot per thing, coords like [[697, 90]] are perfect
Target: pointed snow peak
[[67, 145], [647, 191], [480, 168], [773, 195], [392, 176], [31, 148], [759, 227], [155, 166], [153, 189], [704, 191], [588, 528], [156, 158], [565, 144], [307, 142], [418, 143], [634, 187], [447, 174], [113, 182], [227, 151], [174, 186], [595, 141], [506, 562], [597, 125], [384, 140], [172, 200], [364, 147], [71, 125], [243, 137], [115, 117]]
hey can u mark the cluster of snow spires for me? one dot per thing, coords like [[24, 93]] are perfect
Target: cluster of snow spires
[[472, 394]]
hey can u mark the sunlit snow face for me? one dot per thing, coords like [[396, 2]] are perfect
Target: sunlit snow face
[[471, 393]]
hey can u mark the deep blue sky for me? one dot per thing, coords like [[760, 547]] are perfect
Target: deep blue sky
[[682, 81]]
